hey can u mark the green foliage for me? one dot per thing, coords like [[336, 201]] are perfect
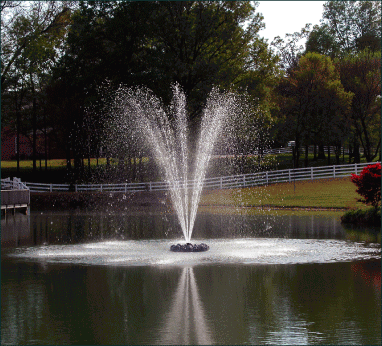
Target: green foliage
[[196, 44], [313, 101], [371, 216], [321, 41], [361, 75], [347, 27]]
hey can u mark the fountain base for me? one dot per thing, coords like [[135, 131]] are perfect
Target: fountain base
[[188, 247]]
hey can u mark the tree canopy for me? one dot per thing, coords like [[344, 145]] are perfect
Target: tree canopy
[[57, 56], [347, 27]]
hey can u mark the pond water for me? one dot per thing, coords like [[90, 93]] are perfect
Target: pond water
[[94, 278]]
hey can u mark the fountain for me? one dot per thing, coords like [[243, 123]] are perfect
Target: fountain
[[166, 134], [91, 277]]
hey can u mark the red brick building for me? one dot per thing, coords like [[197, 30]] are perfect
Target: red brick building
[[9, 146]]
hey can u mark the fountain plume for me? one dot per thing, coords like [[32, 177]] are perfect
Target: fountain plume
[[166, 133]]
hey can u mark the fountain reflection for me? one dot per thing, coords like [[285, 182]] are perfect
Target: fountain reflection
[[186, 322]]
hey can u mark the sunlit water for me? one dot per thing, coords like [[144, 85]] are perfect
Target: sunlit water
[[78, 278], [222, 251]]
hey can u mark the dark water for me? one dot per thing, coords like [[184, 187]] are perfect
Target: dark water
[[60, 283]]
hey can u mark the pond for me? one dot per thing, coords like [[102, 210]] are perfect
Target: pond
[[268, 278]]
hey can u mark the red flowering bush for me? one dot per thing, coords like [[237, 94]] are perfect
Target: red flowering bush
[[369, 184]]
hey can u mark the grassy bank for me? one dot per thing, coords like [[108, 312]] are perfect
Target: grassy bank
[[97, 171], [339, 193]]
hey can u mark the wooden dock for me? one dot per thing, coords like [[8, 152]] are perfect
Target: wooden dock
[[15, 195]]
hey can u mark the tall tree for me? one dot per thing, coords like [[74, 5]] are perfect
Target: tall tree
[[197, 44], [24, 26], [31, 38], [361, 75], [290, 50], [204, 43], [347, 27], [322, 41], [313, 100]]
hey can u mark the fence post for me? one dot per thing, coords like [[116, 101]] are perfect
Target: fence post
[[150, 186], [75, 187], [334, 171], [125, 187], [311, 173], [101, 187], [51, 187], [221, 183], [289, 175], [244, 180], [355, 168], [266, 174]]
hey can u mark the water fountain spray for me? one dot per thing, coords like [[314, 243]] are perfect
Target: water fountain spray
[[166, 132]]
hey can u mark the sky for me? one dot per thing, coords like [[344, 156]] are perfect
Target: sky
[[287, 17]]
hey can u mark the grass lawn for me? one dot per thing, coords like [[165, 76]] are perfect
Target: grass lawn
[[59, 163], [320, 193], [284, 161]]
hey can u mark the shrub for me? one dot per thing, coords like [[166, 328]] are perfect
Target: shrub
[[371, 216], [369, 184]]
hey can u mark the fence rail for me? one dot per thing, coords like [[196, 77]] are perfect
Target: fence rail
[[13, 184], [227, 182], [286, 150], [14, 195]]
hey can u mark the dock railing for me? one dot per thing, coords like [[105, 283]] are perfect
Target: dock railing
[[14, 194], [13, 184], [223, 182]]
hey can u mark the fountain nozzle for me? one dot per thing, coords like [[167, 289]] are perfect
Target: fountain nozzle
[[188, 247]]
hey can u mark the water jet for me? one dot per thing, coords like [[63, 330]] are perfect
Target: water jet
[[165, 131]]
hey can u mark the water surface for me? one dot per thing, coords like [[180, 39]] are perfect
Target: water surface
[[83, 278]]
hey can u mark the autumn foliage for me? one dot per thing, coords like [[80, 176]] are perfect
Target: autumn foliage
[[369, 184]]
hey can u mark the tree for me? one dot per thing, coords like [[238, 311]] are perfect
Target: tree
[[290, 50], [201, 44], [25, 27], [156, 44], [369, 184], [361, 75], [347, 27], [96, 52], [322, 41], [31, 39], [313, 100]]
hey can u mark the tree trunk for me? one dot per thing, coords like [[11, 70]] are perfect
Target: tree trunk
[[68, 158], [46, 144], [357, 158], [306, 156], [140, 168], [134, 168], [130, 168], [321, 152], [337, 152], [121, 168], [34, 128], [328, 155], [18, 140]]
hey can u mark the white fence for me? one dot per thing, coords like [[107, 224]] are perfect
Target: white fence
[[237, 181], [287, 150], [14, 184]]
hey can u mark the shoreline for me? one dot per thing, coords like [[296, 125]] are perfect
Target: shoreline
[[125, 201], [277, 207]]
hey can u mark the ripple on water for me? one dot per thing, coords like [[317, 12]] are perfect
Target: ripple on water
[[222, 251]]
